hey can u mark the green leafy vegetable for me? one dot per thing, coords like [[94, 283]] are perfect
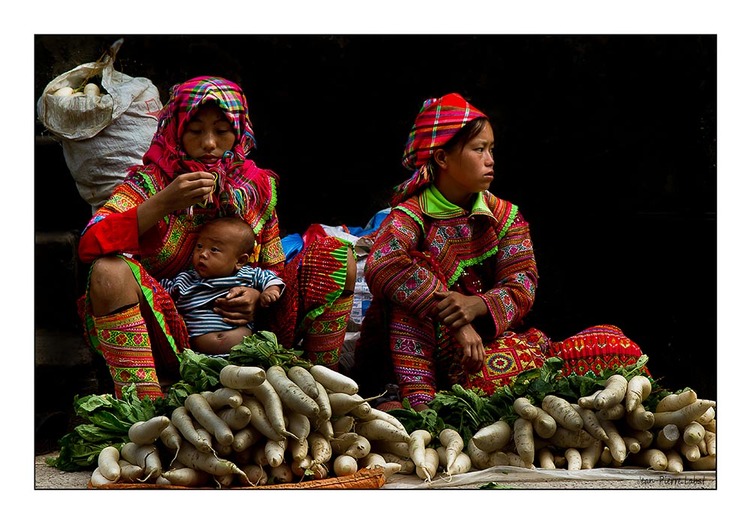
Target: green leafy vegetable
[[466, 410], [107, 420], [427, 419], [262, 349], [201, 371]]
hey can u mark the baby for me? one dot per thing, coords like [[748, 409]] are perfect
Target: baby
[[220, 256]]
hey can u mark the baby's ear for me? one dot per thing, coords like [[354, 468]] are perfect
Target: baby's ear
[[241, 260]]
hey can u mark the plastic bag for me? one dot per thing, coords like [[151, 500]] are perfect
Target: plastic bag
[[102, 135]]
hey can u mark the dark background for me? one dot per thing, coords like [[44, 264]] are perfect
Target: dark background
[[606, 142]]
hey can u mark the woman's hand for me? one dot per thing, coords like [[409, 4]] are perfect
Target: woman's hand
[[184, 191], [455, 310], [473, 349], [238, 306]]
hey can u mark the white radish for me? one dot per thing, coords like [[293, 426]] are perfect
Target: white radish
[[591, 424], [676, 401], [545, 458], [452, 441], [407, 466], [418, 442], [573, 459], [260, 421], [638, 389], [614, 441], [524, 440], [147, 431], [493, 437], [146, 456], [255, 475], [544, 424], [245, 438], [291, 395], [524, 408], [98, 479], [200, 409], [304, 380], [640, 418], [430, 465], [462, 464], [652, 458], [324, 403], [693, 433], [345, 465], [591, 454], [683, 416], [184, 423], [343, 424], [273, 408], [378, 429], [280, 474], [675, 462], [612, 393], [235, 418], [563, 412], [667, 437], [187, 477], [241, 377], [274, 450], [223, 397], [320, 448], [333, 380], [108, 463], [374, 413]]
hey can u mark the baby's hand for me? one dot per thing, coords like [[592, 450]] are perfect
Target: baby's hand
[[269, 296]]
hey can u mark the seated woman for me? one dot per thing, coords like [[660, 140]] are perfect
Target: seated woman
[[453, 274], [195, 170]]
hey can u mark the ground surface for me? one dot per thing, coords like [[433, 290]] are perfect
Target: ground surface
[[46, 477]]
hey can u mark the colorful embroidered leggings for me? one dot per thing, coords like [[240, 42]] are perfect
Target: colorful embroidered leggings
[[126, 347], [323, 341], [413, 348]]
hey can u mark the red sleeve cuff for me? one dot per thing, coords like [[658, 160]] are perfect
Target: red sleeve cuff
[[115, 233]]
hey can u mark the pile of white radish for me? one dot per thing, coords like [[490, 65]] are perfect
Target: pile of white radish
[[275, 427], [262, 426], [610, 428]]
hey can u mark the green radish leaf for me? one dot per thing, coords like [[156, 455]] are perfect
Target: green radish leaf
[[201, 371], [262, 349]]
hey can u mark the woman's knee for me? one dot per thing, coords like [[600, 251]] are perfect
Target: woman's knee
[[111, 285]]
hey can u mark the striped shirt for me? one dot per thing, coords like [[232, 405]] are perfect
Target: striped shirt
[[194, 296]]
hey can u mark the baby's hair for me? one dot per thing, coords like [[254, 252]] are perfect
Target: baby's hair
[[244, 233]]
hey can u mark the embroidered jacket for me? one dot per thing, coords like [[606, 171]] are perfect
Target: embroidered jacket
[[427, 244]]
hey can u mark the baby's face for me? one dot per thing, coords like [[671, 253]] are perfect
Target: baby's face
[[215, 255]]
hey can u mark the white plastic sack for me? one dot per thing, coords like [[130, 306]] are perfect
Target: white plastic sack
[[102, 136]]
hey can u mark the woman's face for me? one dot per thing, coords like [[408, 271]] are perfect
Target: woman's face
[[208, 135], [465, 171]]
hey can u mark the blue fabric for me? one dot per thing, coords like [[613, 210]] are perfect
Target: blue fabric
[[293, 244]]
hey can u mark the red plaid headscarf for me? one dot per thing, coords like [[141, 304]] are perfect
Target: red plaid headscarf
[[436, 123], [234, 171]]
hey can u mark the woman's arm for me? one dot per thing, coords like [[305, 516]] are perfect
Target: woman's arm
[[126, 223], [394, 270], [513, 294]]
